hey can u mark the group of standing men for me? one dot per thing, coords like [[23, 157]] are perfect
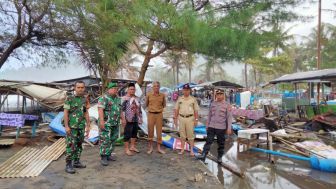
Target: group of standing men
[[126, 111]]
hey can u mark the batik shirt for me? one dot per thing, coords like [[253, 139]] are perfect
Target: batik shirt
[[131, 108]]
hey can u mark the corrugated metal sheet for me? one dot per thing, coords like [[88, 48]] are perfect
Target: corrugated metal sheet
[[30, 162], [307, 76], [222, 83]]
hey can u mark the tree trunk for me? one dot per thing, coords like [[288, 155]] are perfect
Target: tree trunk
[[104, 79], [145, 62], [255, 76], [174, 76], [189, 73], [245, 70], [18, 42], [208, 73], [259, 77], [177, 72]]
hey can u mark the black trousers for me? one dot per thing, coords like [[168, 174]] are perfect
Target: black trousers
[[131, 131], [220, 134]]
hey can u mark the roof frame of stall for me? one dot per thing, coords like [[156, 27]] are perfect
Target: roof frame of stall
[[93, 80], [317, 76], [304, 77], [49, 97], [220, 84]]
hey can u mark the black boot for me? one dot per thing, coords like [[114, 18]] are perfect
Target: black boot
[[69, 167], [103, 160], [78, 164], [201, 156], [219, 158], [111, 158]]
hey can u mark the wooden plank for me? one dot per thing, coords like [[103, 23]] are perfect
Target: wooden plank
[[7, 142], [311, 152]]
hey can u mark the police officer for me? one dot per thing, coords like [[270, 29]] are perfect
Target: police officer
[[186, 113], [218, 124], [109, 109], [76, 117]]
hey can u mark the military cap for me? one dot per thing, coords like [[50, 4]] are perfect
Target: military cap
[[112, 85]]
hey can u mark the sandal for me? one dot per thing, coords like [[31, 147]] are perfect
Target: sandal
[[181, 152]]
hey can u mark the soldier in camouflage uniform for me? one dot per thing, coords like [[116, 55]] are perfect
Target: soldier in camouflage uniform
[[76, 117], [109, 109]]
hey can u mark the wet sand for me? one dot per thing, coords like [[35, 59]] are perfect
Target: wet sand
[[140, 171]]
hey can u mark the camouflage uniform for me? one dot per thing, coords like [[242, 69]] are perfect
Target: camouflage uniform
[[108, 136], [77, 106]]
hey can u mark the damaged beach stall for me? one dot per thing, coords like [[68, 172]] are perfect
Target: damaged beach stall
[[317, 97], [310, 132], [22, 102], [21, 105]]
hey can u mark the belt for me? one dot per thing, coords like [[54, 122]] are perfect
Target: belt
[[186, 116], [155, 112]]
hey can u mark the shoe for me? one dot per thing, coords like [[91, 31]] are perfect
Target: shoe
[[219, 159], [69, 167], [103, 160], [78, 164], [201, 156]]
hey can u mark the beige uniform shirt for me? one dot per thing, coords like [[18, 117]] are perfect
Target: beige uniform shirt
[[186, 105], [155, 103]]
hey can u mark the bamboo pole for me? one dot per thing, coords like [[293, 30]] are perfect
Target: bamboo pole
[[296, 99], [293, 137], [295, 151], [301, 147], [224, 165]]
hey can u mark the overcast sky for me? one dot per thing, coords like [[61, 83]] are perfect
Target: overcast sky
[[74, 69]]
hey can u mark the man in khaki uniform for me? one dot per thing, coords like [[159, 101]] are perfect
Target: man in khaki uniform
[[186, 112], [155, 103]]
